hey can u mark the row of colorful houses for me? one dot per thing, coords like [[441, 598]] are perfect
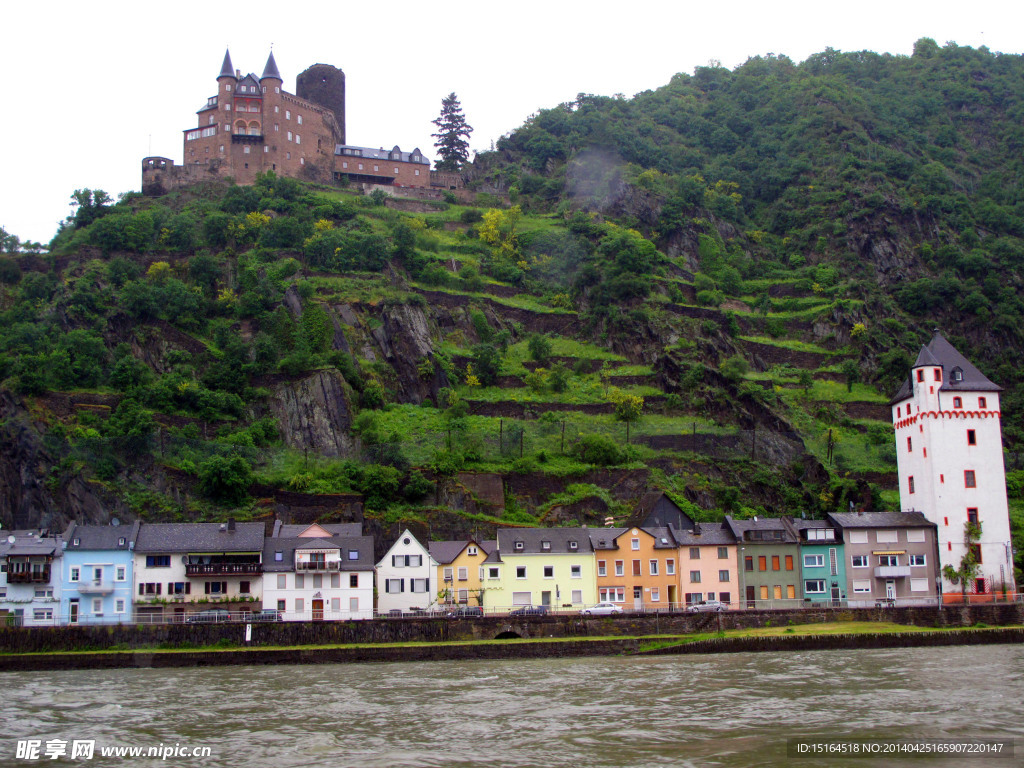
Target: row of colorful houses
[[155, 572]]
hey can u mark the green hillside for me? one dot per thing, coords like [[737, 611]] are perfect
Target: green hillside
[[733, 270]]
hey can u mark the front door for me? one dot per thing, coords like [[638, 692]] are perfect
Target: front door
[[545, 598], [890, 590], [638, 598], [751, 594], [835, 596], [318, 610], [73, 616]]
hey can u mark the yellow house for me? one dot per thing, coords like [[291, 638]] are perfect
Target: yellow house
[[550, 567], [461, 578]]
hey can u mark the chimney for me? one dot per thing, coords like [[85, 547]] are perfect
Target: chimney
[[231, 525], [238, 74]]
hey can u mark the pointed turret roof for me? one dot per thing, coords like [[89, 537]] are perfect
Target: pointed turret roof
[[939, 352], [271, 69], [227, 69]]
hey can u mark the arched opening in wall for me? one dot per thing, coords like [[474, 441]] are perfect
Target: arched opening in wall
[[254, 128], [508, 635], [240, 128]]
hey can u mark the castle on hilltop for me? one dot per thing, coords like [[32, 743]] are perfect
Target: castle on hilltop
[[252, 125]]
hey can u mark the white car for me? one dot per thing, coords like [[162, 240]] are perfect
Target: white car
[[707, 606], [602, 609]]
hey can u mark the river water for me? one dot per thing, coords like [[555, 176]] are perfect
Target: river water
[[720, 710]]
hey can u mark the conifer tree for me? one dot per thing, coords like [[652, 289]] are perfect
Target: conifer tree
[[452, 134]]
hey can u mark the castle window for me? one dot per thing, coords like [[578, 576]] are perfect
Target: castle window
[[302, 161], [222, 149], [287, 114], [265, 149], [972, 438], [938, 374], [417, 171], [298, 139], [277, 89], [254, 128], [289, 135], [920, 375], [958, 403], [981, 402], [287, 155], [211, 120], [376, 167], [396, 171], [276, 108], [277, 127], [245, 149], [969, 481], [910, 483], [360, 166], [227, 88], [227, 107], [344, 165], [299, 117], [910, 445]]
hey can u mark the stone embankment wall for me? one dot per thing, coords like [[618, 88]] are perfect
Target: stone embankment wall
[[440, 630]]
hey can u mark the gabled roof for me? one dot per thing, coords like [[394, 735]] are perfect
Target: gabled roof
[[445, 552], [270, 70], [298, 530], [532, 539], [940, 353], [95, 538], [227, 69], [346, 544], [251, 81], [880, 520], [706, 534], [199, 537], [379, 153], [28, 542], [604, 538], [740, 529]]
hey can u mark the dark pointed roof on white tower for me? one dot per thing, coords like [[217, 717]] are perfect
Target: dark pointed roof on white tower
[[940, 353], [227, 69], [271, 69]]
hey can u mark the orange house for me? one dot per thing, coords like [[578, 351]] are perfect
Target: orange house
[[636, 567]]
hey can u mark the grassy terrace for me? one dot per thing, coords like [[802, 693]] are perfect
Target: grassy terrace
[[647, 642]]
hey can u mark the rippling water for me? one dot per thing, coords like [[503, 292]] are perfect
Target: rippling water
[[724, 710]]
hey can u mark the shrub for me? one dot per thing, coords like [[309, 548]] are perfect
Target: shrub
[[598, 449], [225, 479]]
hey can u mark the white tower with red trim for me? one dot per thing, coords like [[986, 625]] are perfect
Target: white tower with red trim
[[949, 450]]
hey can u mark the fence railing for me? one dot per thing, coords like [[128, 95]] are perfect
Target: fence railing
[[513, 612]]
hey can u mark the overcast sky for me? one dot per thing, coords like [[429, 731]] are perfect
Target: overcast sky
[[92, 88]]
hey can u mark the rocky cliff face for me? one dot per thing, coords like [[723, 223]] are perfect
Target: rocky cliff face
[[32, 493], [315, 413]]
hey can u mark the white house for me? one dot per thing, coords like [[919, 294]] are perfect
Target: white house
[[182, 568], [314, 575], [406, 577], [950, 455], [30, 577]]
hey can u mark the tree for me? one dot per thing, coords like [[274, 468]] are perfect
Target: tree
[[851, 372], [452, 135], [628, 408], [968, 570]]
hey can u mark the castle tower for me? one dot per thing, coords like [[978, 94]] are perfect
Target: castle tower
[[226, 80], [950, 457], [324, 85], [271, 77]]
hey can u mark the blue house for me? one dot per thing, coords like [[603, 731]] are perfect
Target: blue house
[[823, 578], [96, 574]]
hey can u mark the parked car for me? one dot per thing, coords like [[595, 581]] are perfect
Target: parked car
[[602, 609], [706, 606], [268, 614], [465, 610], [530, 610], [209, 616]]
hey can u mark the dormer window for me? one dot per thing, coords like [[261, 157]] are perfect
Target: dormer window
[[76, 542], [471, 550], [120, 542], [957, 374], [519, 545], [545, 545], [278, 556], [958, 403], [573, 544]]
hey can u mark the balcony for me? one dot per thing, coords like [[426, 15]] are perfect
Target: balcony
[[95, 587], [319, 565], [892, 571], [29, 577], [242, 138], [223, 569]]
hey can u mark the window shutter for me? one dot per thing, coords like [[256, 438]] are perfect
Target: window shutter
[[207, 584], [170, 587], [142, 589], [188, 587], [223, 587], [394, 561], [158, 587], [401, 585]]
